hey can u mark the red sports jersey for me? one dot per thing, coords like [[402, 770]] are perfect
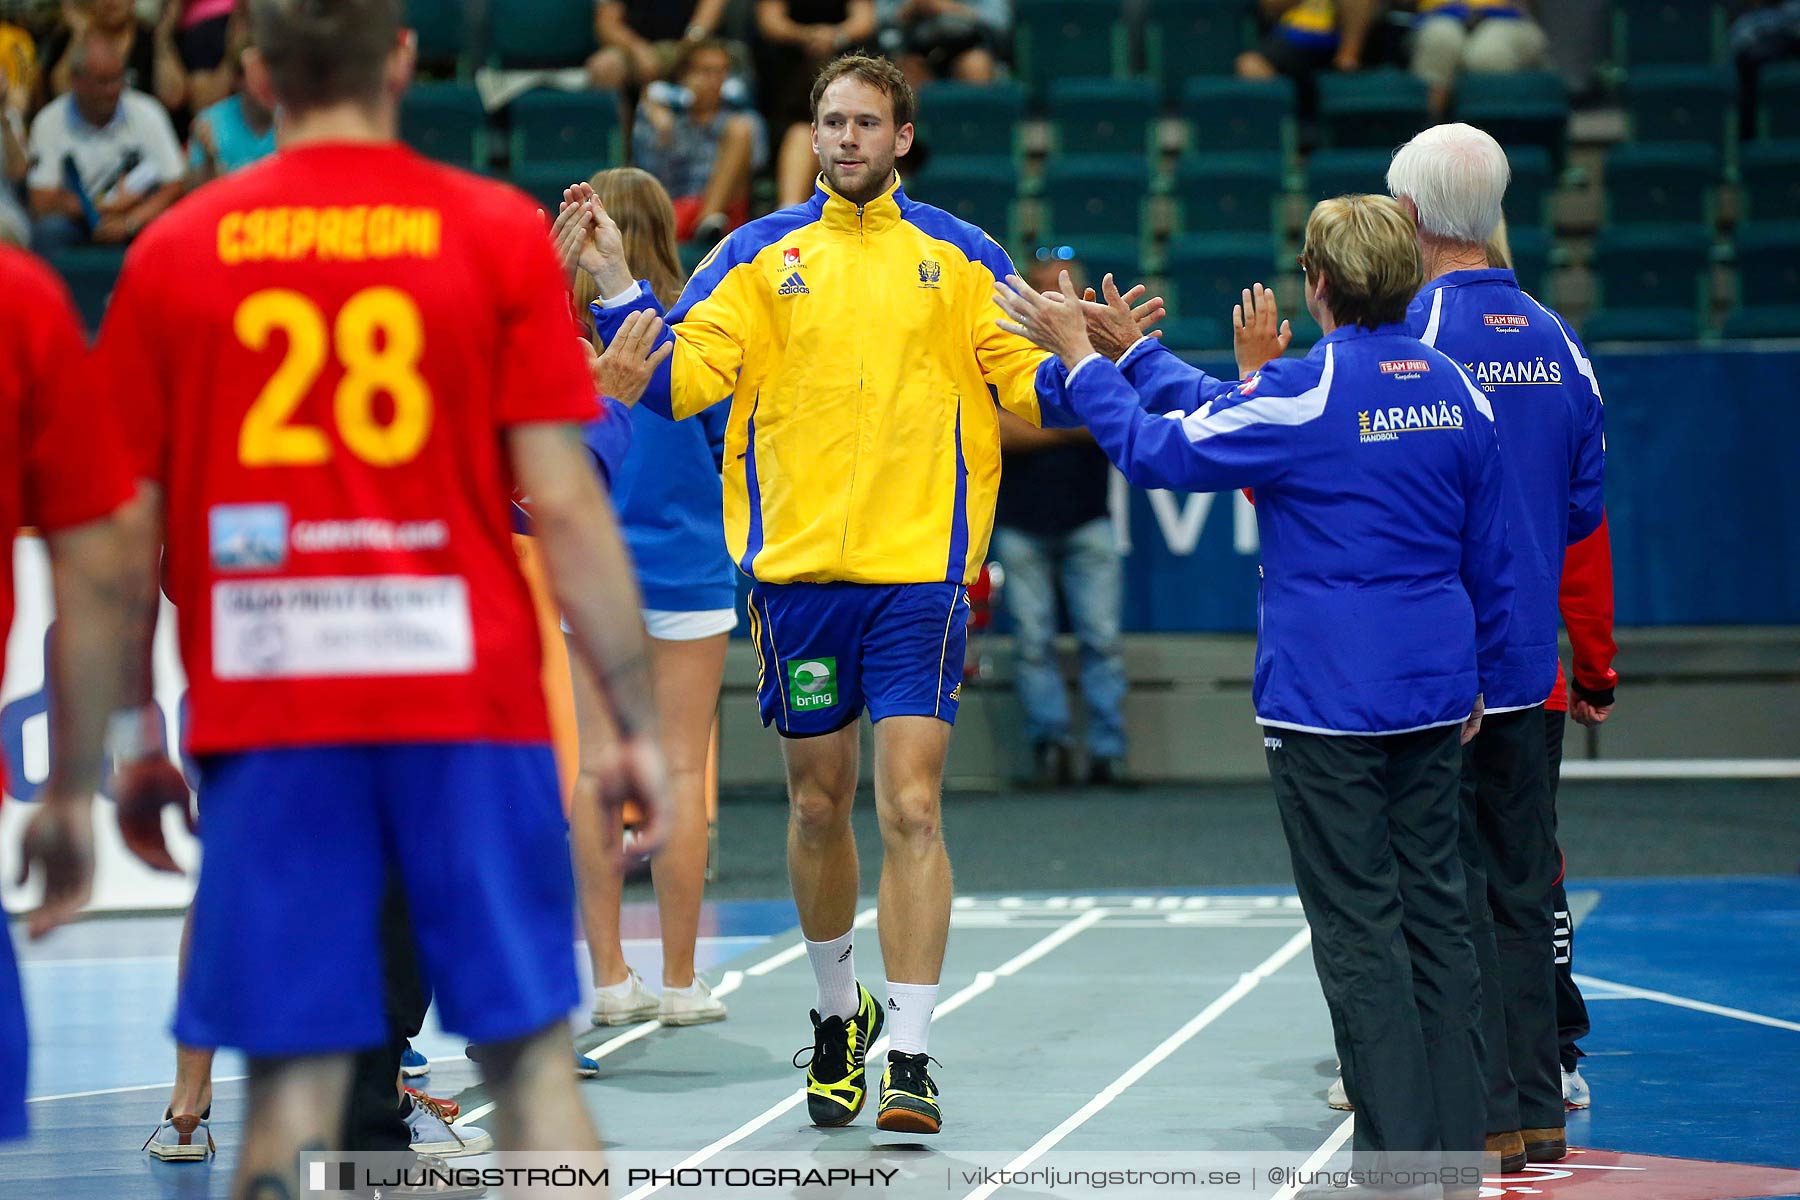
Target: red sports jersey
[[61, 461], [1586, 600], [317, 358]]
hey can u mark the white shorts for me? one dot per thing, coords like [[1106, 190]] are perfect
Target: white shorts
[[668, 626]]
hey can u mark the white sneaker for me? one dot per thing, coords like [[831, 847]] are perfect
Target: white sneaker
[[1575, 1090], [637, 1004], [1337, 1097], [691, 1005], [181, 1139], [431, 1134]]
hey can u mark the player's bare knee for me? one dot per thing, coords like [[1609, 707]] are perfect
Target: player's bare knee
[[817, 814], [912, 817]]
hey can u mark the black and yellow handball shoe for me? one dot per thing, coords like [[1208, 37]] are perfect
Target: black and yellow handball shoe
[[836, 1088], [909, 1102]]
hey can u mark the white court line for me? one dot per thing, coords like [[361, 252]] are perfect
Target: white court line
[[120, 1091], [1682, 768], [1318, 1159], [730, 983], [1243, 987], [1626, 992], [983, 982]]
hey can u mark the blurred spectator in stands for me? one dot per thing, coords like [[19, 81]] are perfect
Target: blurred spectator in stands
[[1767, 33], [945, 39], [1305, 37], [18, 73], [1478, 36], [232, 134], [152, 64], [640, 40], [104, 158], [1053, 534], [694, 136], [797, 38], [208, 36]]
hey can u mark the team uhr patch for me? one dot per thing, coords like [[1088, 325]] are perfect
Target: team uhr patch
[[1505, 321], [811, 683], [1405, 366], [344, 626]]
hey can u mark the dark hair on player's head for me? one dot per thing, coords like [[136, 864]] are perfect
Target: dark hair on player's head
[[878, 73], [323, 52]]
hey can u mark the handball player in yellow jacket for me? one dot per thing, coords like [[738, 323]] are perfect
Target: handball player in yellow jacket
[[856, 339]]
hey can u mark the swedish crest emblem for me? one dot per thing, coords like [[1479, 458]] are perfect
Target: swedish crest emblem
[[929, 273]]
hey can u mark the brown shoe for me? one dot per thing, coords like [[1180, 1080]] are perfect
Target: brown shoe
[[1509, 1148], [1545, 1145]]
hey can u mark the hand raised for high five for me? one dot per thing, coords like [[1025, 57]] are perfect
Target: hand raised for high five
[[631, 358], [1116, 325], [1258, 335], [1053, 320], [587, 238]]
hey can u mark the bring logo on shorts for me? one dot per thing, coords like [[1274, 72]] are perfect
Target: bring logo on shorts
[[812, 683]]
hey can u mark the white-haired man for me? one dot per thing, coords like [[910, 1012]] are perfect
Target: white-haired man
[[1549, 414]]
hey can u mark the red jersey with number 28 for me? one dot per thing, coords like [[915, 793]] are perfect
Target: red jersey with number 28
[[317, 359]]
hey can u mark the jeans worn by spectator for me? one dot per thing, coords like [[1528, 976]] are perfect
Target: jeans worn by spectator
[[1084, 563]]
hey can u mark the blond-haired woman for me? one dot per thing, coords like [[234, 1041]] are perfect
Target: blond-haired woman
[[1387, 590], [669, 500]]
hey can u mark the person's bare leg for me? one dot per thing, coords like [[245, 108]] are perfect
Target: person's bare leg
[[192, 1093], [688, 676], [914, 67], [822, 866], [796, 166], [915, 869], [294, 1105], [1252, 65], [609, 68], [974, 66], [594, 836], [729, 182], [537, 1105]]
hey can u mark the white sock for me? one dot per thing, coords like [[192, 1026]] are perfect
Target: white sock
[[620, 990], [909, 1007], [834, 967]]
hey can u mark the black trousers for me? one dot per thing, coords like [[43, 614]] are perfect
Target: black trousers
[[1510, 866], [1571, 1010], [372, 1117], [1371, 825]]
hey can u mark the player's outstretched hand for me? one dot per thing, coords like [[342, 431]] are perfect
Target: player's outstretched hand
[[1258, 335], [631, 358], [1116, 325], [631, 771], [142, 789], [1053, 321], [611, 270], [59, 845], [572, 233]]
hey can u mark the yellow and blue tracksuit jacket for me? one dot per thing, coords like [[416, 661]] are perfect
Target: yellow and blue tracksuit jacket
[[1462, 10], [1310, 23], [857, 346]]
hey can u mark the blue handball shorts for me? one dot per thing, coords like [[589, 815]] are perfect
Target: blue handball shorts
[[284, 956], [13, 1041], [826, 651]]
